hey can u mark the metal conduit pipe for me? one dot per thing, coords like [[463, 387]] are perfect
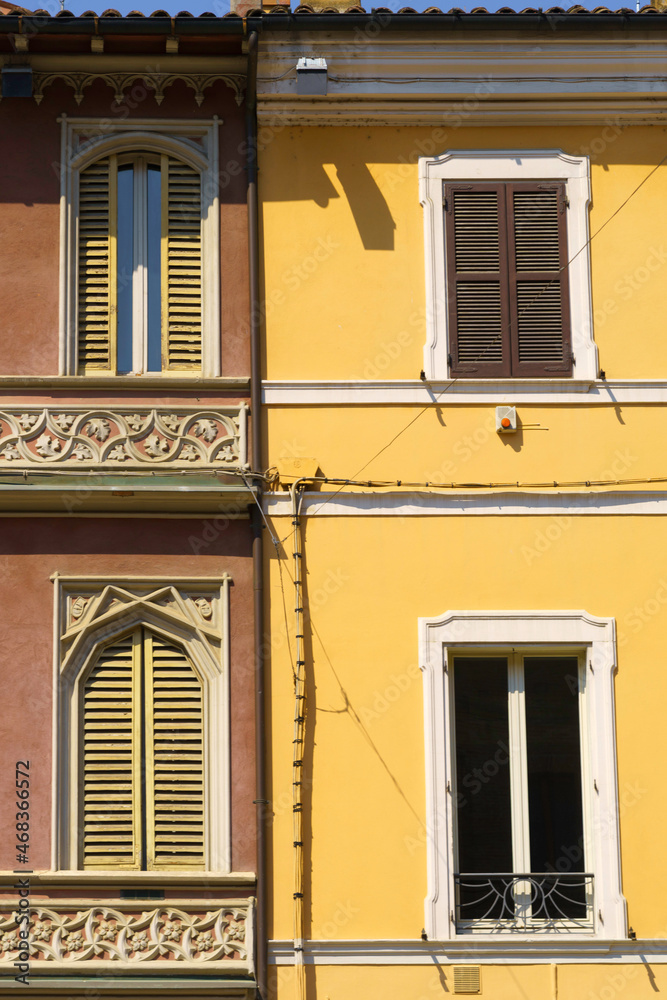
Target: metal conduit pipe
[[257, 541]]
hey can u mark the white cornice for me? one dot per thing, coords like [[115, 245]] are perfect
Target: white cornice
[[314, 392], [457, 502], [519, 950], [418, 80]]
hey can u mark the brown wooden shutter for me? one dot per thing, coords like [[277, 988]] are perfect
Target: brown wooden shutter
[[96, 314], [174, 759], [506, 260], [538, 280], [181, 267], [111, 746], [476, 252]]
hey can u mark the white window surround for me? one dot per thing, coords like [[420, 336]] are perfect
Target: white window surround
[[111, 607], [506, 165], [545, 631], [195, 143]]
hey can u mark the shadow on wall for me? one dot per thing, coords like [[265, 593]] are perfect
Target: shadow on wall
[[370, 210]]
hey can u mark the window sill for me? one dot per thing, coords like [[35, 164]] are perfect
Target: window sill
[[116, 878], [111, 381]]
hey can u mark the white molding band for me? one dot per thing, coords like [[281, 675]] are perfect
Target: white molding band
[[503, 165], [387, 78], [546, 630], [528, 951], [458, 503], [494, 392]]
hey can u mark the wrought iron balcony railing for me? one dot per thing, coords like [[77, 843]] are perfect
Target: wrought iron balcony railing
[[524, 902]]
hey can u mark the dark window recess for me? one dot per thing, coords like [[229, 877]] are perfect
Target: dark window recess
[[492, 846], [142, 893], [507, 284]]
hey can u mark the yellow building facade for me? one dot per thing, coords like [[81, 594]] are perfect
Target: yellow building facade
[[463, 223]]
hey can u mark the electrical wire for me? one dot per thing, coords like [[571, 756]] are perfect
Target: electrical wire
[[457, 378], [513, 484]]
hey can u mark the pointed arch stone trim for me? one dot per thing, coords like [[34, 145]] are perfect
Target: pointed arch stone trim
[[90, 612]]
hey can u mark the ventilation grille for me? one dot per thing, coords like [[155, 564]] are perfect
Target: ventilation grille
[[108, 760], [178, 764], [184, 268], [94, 268], [467, 979]]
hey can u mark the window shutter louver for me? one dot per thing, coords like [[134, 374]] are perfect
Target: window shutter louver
[[175, 764], [143, 760], [111, 756], [506, 252], [97, 266], [476, 260], [538, 283], [181, 267]]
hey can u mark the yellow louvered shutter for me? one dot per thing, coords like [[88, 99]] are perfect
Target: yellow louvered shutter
[[143, 765], [96, 314], [111, 780], [181, 267], [175, 761]]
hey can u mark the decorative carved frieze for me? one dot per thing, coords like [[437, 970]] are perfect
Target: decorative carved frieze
[[155, 82], [67, 932], [123, 438]]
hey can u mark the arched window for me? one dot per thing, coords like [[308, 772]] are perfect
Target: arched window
[[142, 779], [140, 265], [141, 757], [140, 248]]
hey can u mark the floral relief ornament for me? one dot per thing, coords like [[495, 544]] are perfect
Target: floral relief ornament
[[98, 428], [106, 931], [95, 438], [103, 933], [172, 423], [10, 452], [190, 453], [135, 422], [82, 452], [206, 429], [157, 446], [47, 446], [64, 420], [10, 942], [41, 931]]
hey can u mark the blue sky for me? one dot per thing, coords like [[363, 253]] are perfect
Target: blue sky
[[221, 7]]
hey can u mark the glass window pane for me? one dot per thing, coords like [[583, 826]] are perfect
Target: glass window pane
[[483, 808], [554, 780], [554, 763], [125, 267], [482, 765], [154, 229]]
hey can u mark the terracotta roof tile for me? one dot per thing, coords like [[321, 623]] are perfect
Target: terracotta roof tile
[[305, 8]]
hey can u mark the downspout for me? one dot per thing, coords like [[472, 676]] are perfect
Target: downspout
[[257, 545]]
